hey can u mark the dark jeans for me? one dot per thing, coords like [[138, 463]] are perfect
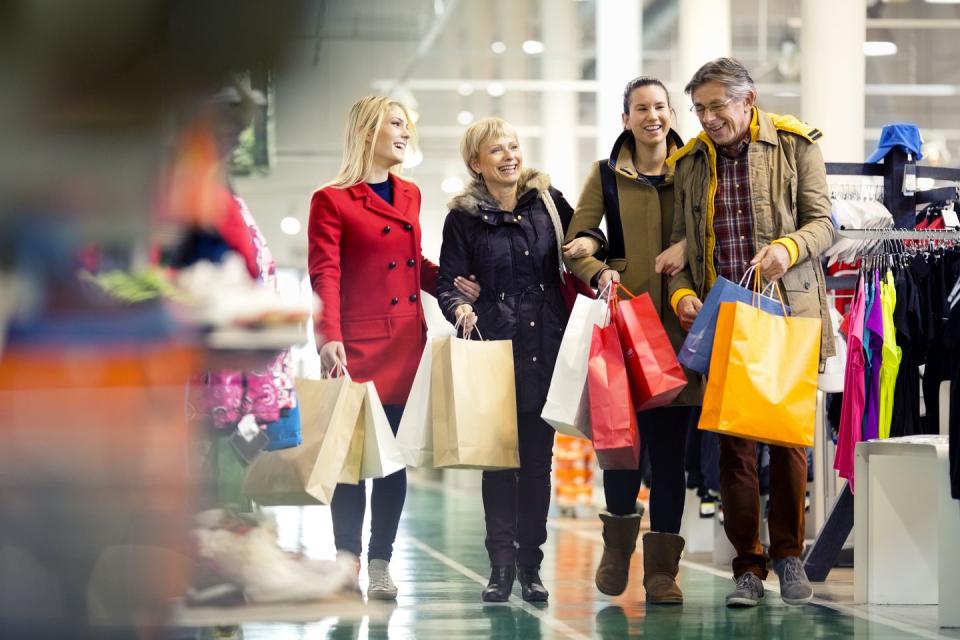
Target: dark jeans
[[702, 458], [663, 432], [740, 495], [516, 501], [349, 505]]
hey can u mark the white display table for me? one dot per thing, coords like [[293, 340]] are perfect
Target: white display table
[[907, 533]]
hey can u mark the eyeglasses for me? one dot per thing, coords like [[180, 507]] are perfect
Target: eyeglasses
[[715, 108]]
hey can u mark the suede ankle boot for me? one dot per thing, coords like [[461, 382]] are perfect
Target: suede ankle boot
[[661, 563], [619, 541]]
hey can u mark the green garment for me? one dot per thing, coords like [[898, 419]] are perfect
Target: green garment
[[890, 364]]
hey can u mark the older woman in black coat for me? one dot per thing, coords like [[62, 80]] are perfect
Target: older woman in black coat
[[501, 229]]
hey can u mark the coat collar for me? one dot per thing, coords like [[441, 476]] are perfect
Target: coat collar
[[475, 199], [621, 156], [764, 127], [402, 197]]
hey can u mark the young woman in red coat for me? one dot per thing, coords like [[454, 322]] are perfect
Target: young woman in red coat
[[366, 267]]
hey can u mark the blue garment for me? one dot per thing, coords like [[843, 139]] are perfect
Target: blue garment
[[384, 190], [901, 134], [285, 432]]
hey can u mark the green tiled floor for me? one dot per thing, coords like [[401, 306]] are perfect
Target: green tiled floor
[[440, 566]]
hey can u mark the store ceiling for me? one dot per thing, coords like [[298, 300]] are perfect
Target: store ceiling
[[343, 46]]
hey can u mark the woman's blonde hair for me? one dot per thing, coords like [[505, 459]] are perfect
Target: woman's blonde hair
[[363, 126], [478, 133]]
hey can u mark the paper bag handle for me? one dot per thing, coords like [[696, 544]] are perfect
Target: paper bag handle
[[759, 291]]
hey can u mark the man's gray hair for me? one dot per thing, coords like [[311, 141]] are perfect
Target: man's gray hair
[[729, 72]]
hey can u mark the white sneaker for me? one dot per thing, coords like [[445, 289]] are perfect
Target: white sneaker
[[381, 585]]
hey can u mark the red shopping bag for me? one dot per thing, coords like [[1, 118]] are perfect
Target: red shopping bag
[[655, 374], [616, 437]]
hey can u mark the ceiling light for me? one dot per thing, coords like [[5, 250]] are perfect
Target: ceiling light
[[496, 89], [412, 158], [532, 47], [879, 48], [498, 47], [451, 185], [465, 89], [943, 1], [290, 226], [464, 118]]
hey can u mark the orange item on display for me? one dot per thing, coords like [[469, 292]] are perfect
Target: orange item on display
[[572, 472]]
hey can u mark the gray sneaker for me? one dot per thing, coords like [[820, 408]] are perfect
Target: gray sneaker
[[381, 585], [748, 593], [794, 586]]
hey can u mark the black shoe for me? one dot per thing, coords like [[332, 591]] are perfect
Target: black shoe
[[500, 585], [531, 586]]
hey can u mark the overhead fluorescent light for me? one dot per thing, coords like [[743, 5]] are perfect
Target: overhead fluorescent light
[[879, 48], [498, 47], [290, 226], [532, 47], [496, 89]]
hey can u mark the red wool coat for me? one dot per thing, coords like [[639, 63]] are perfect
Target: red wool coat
[[366, 267]]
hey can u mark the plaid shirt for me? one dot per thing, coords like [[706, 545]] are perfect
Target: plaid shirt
[[733, 215]]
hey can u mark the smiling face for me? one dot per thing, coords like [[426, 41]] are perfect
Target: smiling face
[[648, 117], [392, 140], [499, 162], [725, 119]]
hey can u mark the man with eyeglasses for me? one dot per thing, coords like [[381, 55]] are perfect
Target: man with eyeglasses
[[751, 188]]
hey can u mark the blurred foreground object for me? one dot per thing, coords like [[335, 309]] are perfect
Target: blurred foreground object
[[95, 487]]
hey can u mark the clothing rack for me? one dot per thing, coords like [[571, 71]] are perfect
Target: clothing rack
[[893, 168], [828, 546], [900, 234]]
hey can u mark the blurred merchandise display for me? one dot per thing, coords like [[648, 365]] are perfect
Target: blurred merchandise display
[[573, 466]]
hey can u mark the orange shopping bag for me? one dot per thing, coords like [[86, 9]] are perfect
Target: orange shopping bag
[[655, 374], [763, 375]]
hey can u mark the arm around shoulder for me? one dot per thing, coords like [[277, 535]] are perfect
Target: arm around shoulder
[[586, 217], [455, 260]]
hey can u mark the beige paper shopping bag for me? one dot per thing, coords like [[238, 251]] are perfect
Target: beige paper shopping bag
[[474, 404], [381, 455], [331, 451], [415, 435]]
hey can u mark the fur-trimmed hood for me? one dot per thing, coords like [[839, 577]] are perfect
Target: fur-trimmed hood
[[476, 197]]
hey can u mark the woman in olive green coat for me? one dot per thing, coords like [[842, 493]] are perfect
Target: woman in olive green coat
[[639, 217]]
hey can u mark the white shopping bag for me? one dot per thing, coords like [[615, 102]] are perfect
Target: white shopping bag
[[567, 408], [415, 435], [381, 455]]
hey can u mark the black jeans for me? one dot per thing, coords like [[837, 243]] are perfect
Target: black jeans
[[516, 501], [663, 432], [349, 505]]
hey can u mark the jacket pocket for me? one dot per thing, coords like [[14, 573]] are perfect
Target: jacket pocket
[[802, 291], [366, 329], [619, 264]]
